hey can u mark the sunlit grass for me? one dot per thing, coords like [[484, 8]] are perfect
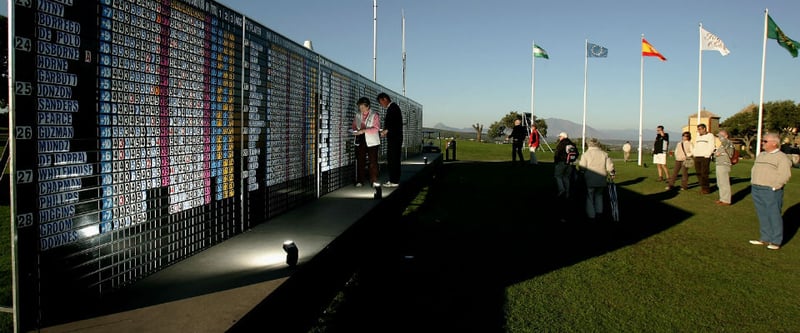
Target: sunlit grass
[[698, 275]]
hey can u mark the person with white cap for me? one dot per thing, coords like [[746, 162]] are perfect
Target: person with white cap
[[562, 169], [596, 167]]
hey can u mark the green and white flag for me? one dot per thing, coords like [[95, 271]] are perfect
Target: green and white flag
[[773, 32], [539, 52]]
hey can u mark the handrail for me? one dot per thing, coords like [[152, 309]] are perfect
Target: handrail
[[4, 160]]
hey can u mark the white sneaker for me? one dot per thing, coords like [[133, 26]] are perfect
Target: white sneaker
[[376, 184], [390, 184], [359, 184]]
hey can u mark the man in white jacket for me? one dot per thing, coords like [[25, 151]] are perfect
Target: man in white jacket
[[704, 146], [596, 167]]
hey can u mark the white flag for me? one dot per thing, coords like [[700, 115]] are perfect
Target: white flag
[[711, 42]]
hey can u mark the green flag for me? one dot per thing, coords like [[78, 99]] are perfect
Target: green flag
[[775, 33], [539, 52]]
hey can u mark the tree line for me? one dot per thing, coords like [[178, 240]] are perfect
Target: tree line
[[503, 127], [781, 117]]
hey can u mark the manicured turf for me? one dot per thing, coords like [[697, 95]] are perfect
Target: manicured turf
[[485, 252]]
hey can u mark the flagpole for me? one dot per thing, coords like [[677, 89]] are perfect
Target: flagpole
[[375, 40], [533, 76], [585, 77], [641, 101], [761, 98], [403, 26], [700, 74]]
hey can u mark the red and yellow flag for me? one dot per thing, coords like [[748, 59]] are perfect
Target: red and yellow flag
[[650, 51]]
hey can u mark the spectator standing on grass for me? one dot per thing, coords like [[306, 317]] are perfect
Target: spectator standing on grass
[[626, 151], [660, 149], [596, 167], [533, 143], [366, 128], [703, 149], [517, 137], [683, 152], [771, 171], [393, 132], [722, 156], [562, 171]]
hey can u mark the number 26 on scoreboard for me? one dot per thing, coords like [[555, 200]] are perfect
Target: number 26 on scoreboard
[[24, 132]]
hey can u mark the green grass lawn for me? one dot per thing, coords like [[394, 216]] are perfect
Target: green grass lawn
[[491, 255], [700, 274]]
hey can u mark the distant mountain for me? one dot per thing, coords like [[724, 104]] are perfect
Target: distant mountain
[[555, 126], [633, 135], [444, 127], [574, 130]]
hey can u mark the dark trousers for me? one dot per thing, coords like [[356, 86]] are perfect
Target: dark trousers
[[393, 157], [516, 150], [362, 154], [702, 166], [680, 169]]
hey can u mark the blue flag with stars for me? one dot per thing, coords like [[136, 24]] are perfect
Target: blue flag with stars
[[596, 51]]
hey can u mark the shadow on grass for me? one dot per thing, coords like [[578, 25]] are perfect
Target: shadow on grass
[[736, 180], [791, 222], [632, 181], [740, 195], [483, 227]]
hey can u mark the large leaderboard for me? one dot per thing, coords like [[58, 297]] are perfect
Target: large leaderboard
[[145, 131]]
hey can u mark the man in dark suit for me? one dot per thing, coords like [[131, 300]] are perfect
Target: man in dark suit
[[393, 132], [517, 136]]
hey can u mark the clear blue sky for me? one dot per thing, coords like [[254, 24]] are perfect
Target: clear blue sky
[[470, 61]]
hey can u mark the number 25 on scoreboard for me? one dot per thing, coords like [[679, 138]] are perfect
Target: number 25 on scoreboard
[[23, 88]]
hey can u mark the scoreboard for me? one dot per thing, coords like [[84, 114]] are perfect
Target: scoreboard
[[145, 131]]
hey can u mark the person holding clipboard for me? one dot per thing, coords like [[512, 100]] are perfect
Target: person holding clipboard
[[366, 129]]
